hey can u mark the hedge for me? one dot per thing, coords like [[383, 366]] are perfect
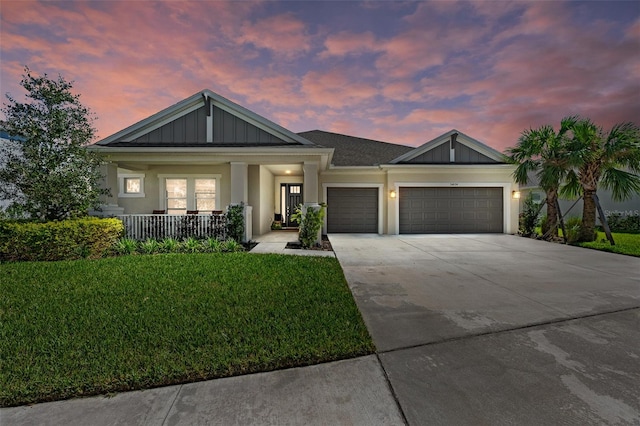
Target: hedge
[[88, 237]]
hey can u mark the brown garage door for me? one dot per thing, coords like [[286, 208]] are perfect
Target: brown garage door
[[450, 210], [352, 210]]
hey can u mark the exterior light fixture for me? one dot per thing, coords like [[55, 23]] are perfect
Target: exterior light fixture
[[288, 172], [392, 193], [515, 195]]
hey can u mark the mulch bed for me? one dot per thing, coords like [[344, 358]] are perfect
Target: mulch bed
[[326, 245]]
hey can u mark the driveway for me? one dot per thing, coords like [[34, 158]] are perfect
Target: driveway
[[498, 329]]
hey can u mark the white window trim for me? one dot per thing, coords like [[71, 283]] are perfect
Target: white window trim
[[162, 202], [121, 191]]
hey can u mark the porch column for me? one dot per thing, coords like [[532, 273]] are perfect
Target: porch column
[[239, 183], [240, 194], [109, 203], [310, 187], [311, 191]]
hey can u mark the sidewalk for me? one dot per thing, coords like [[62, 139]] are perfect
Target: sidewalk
[[353, 392]]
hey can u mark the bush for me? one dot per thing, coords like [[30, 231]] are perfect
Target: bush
[[310, 221], [88, 237], [529, 217], [128, 246], [627, 224], [235, 222], [572, 226]]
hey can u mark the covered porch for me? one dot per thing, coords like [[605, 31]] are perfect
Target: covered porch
[[269, 187]]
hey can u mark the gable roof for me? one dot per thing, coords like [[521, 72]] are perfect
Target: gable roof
[[354, 151], [232, 125], [438, 151]]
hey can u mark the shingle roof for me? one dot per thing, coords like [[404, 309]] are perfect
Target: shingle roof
[[354, 151]]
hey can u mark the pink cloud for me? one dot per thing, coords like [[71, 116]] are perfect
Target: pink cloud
[[349, 43], [338, 88], [281, 34]]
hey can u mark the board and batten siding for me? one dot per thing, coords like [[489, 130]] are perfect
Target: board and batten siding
[[191, 128]]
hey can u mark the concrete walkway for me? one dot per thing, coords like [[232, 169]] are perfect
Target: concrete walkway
[[276, 242], [474, 329]]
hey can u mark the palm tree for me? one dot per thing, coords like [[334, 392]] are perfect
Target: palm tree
[[542, 151], [609, 159]]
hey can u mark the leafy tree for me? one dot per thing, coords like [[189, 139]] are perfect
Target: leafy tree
[[543, 152], [611, 160], [50, 175]]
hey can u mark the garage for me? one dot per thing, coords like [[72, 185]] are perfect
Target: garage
[[451, 210], [352, 210]]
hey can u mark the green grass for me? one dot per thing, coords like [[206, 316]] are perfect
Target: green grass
[[625, 243], [77, 328]]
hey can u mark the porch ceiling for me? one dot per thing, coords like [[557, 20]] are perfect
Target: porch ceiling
[[285, 169]]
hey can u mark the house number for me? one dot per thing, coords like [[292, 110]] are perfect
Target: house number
[[454, 184]]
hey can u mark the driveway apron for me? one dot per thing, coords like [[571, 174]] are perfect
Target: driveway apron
[[498, 329]]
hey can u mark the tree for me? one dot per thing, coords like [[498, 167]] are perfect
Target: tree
[[50, 175], [543, 151], [611, 160]]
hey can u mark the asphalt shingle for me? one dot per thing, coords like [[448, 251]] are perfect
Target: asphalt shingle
[[354, 151]]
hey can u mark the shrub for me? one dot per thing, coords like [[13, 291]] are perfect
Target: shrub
[[212, 245], [169, 245], [150, 246], [191, 245], [529, 217], [235, 222], [88, 237], [310, 220], [627, 224], [572, 226], [231, 246], [126, 246]]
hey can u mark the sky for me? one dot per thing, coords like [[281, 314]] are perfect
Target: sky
[[401, 72]]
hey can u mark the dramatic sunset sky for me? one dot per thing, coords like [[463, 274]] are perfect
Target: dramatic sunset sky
[[401, 72]]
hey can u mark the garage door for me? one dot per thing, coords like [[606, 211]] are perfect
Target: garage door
[[353, 210], [450, 210]]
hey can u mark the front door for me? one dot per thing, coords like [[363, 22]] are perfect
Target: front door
[[291, 194]]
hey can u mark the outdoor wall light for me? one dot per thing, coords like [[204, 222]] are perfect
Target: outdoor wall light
[[515, 195], [392, 193]]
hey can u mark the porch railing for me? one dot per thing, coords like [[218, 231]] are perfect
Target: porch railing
[[160, 226]]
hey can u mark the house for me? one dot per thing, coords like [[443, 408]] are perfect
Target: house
[[206, 153]]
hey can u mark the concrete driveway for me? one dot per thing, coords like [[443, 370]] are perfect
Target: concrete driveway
[[498, 329]]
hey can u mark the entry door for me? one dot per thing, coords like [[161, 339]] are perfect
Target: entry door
[[291, 197]]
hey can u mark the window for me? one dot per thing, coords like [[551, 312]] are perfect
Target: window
[[176, 196], [130, 185], [205, 194], [188, 192]]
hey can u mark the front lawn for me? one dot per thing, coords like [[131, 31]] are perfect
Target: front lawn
[[625, 243], [76, 328]]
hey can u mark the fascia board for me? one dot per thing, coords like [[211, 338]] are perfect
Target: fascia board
[[353, 170], [446, 167], [253, 150]]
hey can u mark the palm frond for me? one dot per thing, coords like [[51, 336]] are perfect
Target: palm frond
[[623, 184], [572, 187]]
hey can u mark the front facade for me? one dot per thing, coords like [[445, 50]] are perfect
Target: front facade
[[206, 153]]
